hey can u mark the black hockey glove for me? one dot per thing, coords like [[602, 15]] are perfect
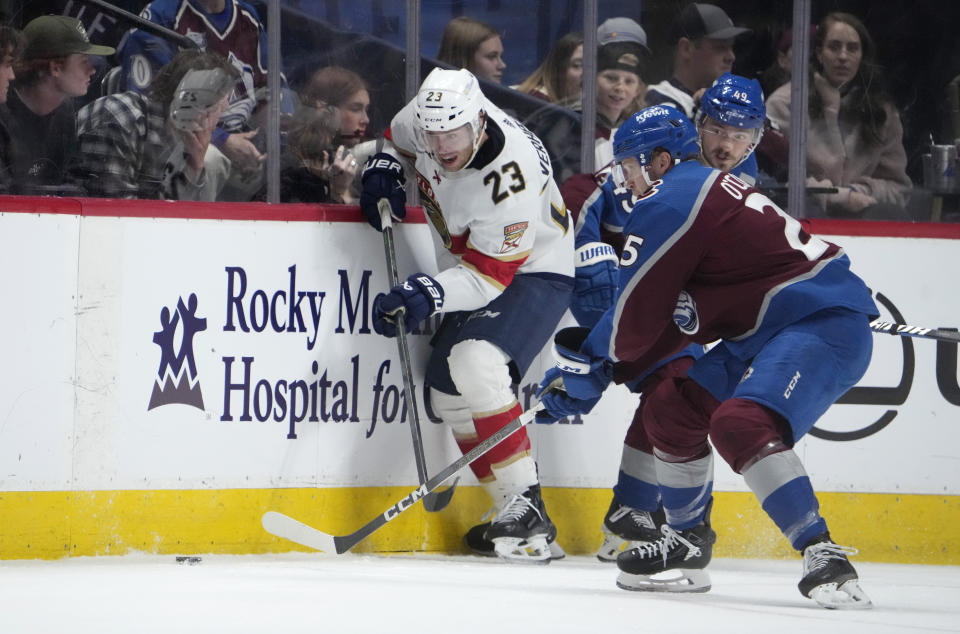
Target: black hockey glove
[[382, 178]]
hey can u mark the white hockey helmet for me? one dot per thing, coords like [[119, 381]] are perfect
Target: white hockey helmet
[[447, 100]]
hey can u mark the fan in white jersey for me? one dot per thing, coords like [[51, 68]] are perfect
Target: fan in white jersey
[[487, 186]]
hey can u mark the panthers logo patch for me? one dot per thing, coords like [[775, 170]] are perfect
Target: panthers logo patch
[[512, 235]]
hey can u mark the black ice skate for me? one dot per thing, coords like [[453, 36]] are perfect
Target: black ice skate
[[479, 545], [522, 531], [828, 578], [685, 554], [625, 527]]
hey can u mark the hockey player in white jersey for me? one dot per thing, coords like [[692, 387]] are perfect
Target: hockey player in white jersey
[[487, 186]]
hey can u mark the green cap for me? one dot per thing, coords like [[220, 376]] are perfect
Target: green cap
[[58, 36]]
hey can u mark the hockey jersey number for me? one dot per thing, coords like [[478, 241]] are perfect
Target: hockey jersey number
[[518, 183]]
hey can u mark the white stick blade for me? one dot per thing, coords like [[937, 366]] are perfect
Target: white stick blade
[[288, 528]]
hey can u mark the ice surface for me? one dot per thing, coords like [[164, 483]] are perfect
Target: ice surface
[[286, 594]]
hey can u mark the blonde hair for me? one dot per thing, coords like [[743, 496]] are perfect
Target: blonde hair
[[551, 74], [461, 39]]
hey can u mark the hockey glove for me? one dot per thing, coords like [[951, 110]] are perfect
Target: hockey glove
[[595, 289], [413, 301], [577, 382], [382, 178]]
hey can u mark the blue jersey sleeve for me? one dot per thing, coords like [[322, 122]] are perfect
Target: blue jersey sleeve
[[142, 54]]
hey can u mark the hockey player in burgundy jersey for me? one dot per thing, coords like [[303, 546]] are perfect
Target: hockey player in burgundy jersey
[[487, 186], [706, 257], [730, 120]]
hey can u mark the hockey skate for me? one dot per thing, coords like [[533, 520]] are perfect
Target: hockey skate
[[674, 563], [522, 531], [479, 545], [625, 527], [828, 578]]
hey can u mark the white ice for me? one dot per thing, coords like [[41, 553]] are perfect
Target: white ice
[[288, 594]]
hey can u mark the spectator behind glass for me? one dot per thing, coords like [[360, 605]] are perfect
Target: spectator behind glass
[[313, 169], [703, 51], [228, 27], [778, 73], [854, 135], [347, 92], [559, 78], [55, 66], [10, 48], [138, 146], [474, 45], [619, 94]]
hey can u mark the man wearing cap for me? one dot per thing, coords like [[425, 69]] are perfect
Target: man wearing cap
[[55, 67], [621, 52], [703, 51]]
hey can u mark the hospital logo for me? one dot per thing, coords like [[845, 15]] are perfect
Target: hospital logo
[[177, 380]]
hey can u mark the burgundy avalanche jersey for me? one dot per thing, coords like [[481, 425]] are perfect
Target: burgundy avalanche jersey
[[236, 33], [708, 257]]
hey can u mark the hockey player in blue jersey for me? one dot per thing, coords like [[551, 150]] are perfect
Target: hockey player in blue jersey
[[708, 258], [730, 121]]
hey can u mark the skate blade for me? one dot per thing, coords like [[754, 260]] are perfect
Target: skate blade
[[613, 545], [676, 580], [533, 550], [849, 596]]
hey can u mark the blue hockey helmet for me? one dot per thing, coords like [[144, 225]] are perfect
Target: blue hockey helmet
[[662, 127], [735, 101]]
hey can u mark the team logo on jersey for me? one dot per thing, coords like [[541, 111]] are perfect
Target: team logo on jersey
[[512, 235], [177, 380], [432, 209], [685, 314]]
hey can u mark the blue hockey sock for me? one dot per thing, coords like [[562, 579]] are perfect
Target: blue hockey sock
[[637, 483], [783, 488], [685, 489]]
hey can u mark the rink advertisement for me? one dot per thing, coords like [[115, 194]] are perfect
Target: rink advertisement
[[159, 355]]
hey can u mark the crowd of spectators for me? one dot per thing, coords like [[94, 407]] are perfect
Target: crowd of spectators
[[61, 134]]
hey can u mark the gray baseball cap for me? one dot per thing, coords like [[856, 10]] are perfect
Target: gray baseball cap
[[700, 20], [50, 36], [621, 30]]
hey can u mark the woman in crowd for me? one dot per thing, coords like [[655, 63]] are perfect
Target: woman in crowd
[[854, 138], [346, 92], [559, 78], [313, 168], [474, 45]]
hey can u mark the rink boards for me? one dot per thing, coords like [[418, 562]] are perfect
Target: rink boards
[[173, 370]]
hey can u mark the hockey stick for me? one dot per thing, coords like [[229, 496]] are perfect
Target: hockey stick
[[893, 328], [435, 501], [285, 526]]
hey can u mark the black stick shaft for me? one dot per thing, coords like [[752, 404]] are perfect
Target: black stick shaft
[[905, 330], [141, 23]]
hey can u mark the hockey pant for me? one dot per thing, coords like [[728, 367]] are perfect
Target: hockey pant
[[486, 403], [637, 484], [679, 417]]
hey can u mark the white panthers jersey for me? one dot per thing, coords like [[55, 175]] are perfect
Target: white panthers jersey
[[501, 215]]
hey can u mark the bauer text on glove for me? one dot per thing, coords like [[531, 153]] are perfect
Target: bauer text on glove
[[413, 301], [382, 178]]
